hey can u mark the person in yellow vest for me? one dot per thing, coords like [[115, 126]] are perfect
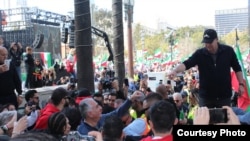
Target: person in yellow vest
[[136, 108], [136, 76], [140, 127], [193, 105]]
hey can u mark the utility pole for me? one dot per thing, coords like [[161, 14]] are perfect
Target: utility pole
[[171, 40], [129, 4]]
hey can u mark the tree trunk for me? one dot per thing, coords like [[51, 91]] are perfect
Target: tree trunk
[[83, 45], [118, 42]]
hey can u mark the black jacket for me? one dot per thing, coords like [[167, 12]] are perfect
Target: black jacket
[[214, 75], [29, 60], [10, 81], [16, 57]]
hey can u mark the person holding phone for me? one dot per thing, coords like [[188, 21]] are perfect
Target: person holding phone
[[203, 116], [3, 68], [9, 81]]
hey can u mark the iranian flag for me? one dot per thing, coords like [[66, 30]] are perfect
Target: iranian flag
[[176, 42], [104, 64], [46, 58], [244, 99], [103, 60], [157, 53], [248, 58], [144, 51], [150, 57]]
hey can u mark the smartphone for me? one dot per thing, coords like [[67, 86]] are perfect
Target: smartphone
[[32, 106], [126, 82], [218, 115], [7, 62], [169, 82]]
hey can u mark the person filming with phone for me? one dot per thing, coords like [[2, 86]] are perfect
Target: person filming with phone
[[214, 63], [216, 116], [9, 80]]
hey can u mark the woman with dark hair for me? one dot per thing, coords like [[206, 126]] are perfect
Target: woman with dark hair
[[16, 52], [38, 73], [58, 125]]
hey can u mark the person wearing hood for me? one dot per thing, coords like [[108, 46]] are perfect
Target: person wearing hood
[[58, 101]]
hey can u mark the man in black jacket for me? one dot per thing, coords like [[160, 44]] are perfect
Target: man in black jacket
[[29, 66], [9, 81], [214, 63]]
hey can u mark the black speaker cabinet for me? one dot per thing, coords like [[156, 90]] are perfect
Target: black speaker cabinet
[[37, 43]]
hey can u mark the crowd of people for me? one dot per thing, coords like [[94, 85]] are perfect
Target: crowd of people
[[134, 113]]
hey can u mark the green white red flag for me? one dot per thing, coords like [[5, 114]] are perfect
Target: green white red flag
[[46, 58], [157, 53], [244, 99]]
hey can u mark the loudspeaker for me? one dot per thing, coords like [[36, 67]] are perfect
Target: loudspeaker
[[38, 41], [72, 35], [65, 34]]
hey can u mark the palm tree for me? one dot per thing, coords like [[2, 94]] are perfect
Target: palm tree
[[118, 42], [83, 45]]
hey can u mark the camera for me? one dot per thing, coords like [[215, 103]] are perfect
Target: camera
[[107, 80], [106, 84], [32, 105], [76, 136], [218, 115]]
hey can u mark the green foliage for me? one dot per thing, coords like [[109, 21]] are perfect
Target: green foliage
[[149, 41], [189, 39], [230, 39], [102, 19]]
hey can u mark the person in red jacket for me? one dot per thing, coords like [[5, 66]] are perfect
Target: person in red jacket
[[58, 102], [162, 117]]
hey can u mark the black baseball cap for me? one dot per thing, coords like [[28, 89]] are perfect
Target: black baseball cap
[[209, 36], [84, 92]]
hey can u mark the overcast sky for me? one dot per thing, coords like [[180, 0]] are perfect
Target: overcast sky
[[176, 12]]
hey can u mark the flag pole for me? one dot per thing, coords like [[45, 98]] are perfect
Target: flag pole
[[241, 62]]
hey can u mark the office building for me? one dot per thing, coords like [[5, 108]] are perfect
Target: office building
[[227, 20]]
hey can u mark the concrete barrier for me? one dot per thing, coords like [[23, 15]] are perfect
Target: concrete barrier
[[44, 94]]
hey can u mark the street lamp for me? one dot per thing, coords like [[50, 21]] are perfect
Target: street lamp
[[170, 35], [171, 42], [128, 6]]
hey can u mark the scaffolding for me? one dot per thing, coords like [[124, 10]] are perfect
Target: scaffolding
[[21, 21]]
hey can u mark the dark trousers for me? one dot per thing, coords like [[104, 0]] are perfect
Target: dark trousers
[[214, 103], [10, 99], [29, 78]]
